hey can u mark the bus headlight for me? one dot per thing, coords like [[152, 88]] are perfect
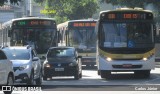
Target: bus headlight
[[106, 58], [145, 59], [109, 59]]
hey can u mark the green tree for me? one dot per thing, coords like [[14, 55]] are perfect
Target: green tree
[[133, 3], [11, 1], [64, 10]]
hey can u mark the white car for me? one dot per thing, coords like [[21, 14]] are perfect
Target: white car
[[6, 70], [26, 64]]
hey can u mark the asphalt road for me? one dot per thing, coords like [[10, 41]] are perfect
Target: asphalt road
[[121, 83], [90, 81]]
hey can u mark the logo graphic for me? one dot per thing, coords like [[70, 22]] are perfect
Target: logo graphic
[[6, 88], [131, 44], [59, 65], [19, 88]]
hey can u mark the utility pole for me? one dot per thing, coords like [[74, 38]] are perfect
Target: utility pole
[[24, 8], [31, 8]]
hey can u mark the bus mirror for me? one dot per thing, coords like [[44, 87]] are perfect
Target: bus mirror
[[79, 56], [9, 33], [43, 57]]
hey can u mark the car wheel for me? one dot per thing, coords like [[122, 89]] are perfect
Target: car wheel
[[31, 79], [39, 80], [80, 75], [44, 78], [10, 82], [98, 72], [7, 92], [76, 76]]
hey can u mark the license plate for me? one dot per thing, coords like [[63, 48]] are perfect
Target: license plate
[[127, 66], [86, 61], [59, 69]]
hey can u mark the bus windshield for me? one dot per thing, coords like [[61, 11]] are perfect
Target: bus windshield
[[128, 35], [34, 37], [82, 38]]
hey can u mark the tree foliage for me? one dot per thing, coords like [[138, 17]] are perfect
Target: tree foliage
[[2, 2], [133, 3], [70, 9], [137, 3]]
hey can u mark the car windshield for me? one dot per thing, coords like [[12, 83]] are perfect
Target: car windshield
[[17, 54], [60, 52]]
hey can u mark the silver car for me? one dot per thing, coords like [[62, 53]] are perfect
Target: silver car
[[26, 64], [6, 70]]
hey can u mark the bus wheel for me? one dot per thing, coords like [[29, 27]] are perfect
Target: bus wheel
[[146, 73], [105, 74], [44, 78], [142, 73], [98, 72], [76, 76]]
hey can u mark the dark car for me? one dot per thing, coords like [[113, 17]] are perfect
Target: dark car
[[62, 61]]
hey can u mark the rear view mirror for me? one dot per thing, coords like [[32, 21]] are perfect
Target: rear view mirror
[[35, 59], [79, 56], [43, 57]]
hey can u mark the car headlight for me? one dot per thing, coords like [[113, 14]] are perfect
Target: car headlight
[[23, 67], [73, 64], [47, 65]]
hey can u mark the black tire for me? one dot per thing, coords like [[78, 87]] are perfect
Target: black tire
[[44, 78], [31, 79], [147, 73], [142, 73], [98, 72], [39, 80], [10, 82], [80, 75], [76, 76], [7, 92], [105, 74]]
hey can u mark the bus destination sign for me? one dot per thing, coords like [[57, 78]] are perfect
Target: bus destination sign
[[127, 16], [84, 24], [33, 23]]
